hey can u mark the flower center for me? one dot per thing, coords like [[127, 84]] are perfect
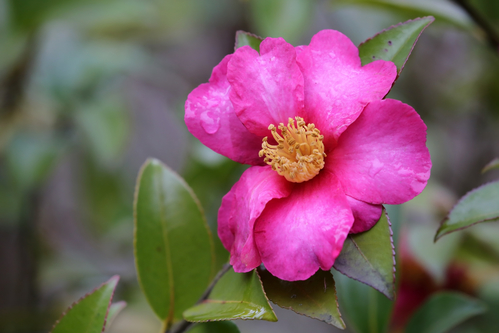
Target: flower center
[[299, 153]]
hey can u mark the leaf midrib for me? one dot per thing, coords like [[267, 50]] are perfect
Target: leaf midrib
[[170, 315]]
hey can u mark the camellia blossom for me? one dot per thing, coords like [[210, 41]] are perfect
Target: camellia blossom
[[325, 149]]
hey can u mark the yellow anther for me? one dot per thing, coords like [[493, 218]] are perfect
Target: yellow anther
[[299, 154]]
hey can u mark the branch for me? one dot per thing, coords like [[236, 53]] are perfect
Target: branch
[[488, 29], [184, 324]]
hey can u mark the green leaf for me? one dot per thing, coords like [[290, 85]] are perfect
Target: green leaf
[[174, 252], [235, 296], [281, 18], [314, 298], [369, 257], [395, 43], [88, 314], [443, 11], [245, 38], [478, 205], [443, 311], [215, 327], [494, 164], [364, 309], [114, 311]]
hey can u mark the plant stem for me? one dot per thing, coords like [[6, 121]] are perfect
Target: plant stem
[[488, 29], [184, 324]]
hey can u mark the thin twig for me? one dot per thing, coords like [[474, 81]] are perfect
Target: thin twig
[[492, 36], [184, 324]]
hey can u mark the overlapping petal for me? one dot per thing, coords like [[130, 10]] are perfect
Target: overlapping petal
[[337, 87], [365, 215], [266, 88], [304, 231], [382, 157], [376, 150], [210, 117], [241, 207]]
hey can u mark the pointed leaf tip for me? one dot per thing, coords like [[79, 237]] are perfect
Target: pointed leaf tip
[[395, 43], [244, 38], [174, 251], [113, 312], [478, 205], [235, 296], [494, 164], [89, 313], [369, 257], [315, 298]]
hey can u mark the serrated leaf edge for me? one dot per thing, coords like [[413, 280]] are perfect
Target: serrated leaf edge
[[239, 32], [114, 277], [392, 296], [432, 19], [438, 236], [306, 315]]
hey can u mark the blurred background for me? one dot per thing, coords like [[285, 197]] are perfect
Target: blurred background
[[90, 88]]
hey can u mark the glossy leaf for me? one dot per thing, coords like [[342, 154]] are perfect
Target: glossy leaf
[[494, 164], [369, 257], [395, 43], [478, 205], [314, 298], [245, 38], [88, 315], [173, 245], [215, 327], [114, 311], [444, 311], [235, 296], [364, 309], [443, 11]]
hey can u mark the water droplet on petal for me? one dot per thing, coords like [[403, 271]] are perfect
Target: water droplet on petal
[[210, 122]]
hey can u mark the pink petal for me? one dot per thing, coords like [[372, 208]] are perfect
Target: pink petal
[[298, 234], [241, 207], [365, 214], [210, 117], [266, 89], [299, 48], [382, 157], [337, 88]]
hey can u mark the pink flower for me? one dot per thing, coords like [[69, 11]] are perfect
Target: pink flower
[[338, 153]]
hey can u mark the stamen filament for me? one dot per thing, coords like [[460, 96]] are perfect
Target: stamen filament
[[299, 153]]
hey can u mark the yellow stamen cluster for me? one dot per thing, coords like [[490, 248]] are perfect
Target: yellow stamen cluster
[[299, 153]]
